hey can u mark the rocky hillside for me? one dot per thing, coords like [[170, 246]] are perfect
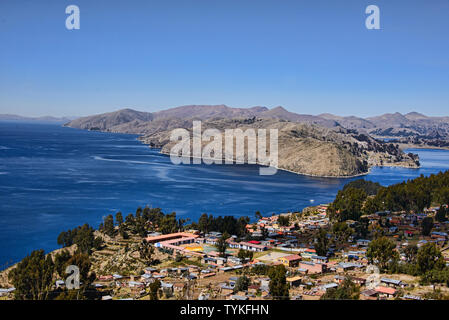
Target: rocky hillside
[[309, 149], [312, 145]]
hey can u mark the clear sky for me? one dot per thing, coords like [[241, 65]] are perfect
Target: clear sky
[[310, 56]]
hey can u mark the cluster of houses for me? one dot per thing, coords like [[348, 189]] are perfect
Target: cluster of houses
[[308, 273]]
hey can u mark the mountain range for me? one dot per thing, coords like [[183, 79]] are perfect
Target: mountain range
[[13, 117], [392, 125]]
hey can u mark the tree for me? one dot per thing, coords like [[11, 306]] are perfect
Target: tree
[[321, 243], [442, 214], [109, 225], [429, 258], [382, 252], [122, 232], [242, 284], [426, 226], [258, 215], [98, 243], [341, 233], [82, 261], [348, 290], [61, 260], [222, 245], [245, 254], [146, 251], [370, 188], [278, 283], [119, 218], [348, 205], [84, 238], [168, 223], [32, 277], [154, 288], [410, 253], [203, 223], [283, 221]]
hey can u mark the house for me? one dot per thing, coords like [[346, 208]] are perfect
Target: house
[[308, 253], [253, 288], [307, 267], [346, 266], [290, 261], [319, 259], [339, 279], [385, 292], [393, 283], [359, 281], [226, 289], [294, 281], [327, 286], [363, 242], [368, 295], [179, 286]]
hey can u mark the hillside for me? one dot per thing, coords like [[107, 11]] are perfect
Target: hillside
[[312, 145], [309, 149]]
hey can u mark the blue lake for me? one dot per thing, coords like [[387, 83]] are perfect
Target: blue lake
[[54, 178]]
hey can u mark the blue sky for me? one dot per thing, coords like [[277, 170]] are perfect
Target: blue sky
[[308, 56]]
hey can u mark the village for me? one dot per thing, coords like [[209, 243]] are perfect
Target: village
[[188, 264]]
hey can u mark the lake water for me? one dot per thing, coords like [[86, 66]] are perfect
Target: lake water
[[54, 178]]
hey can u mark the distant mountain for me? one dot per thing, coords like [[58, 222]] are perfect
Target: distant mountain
[[13, 117], [204, 112], [282, 114], [389, 125], [105, 121], [126, 120]]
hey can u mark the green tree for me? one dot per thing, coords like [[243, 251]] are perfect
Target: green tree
[[284, 221], [168, 223], [429, 258], [321, 243], [60, 262], [245, 254], [382, 252], [341, 233], [370, 188], [222, 245], [410, 253], [109, 225], [154, 289], [242, 284], [348, 205], [426, 226], [119, 218], [279, 288], [146, 251], [84, 238], [442, 214], [32, 276], [348, 290]]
